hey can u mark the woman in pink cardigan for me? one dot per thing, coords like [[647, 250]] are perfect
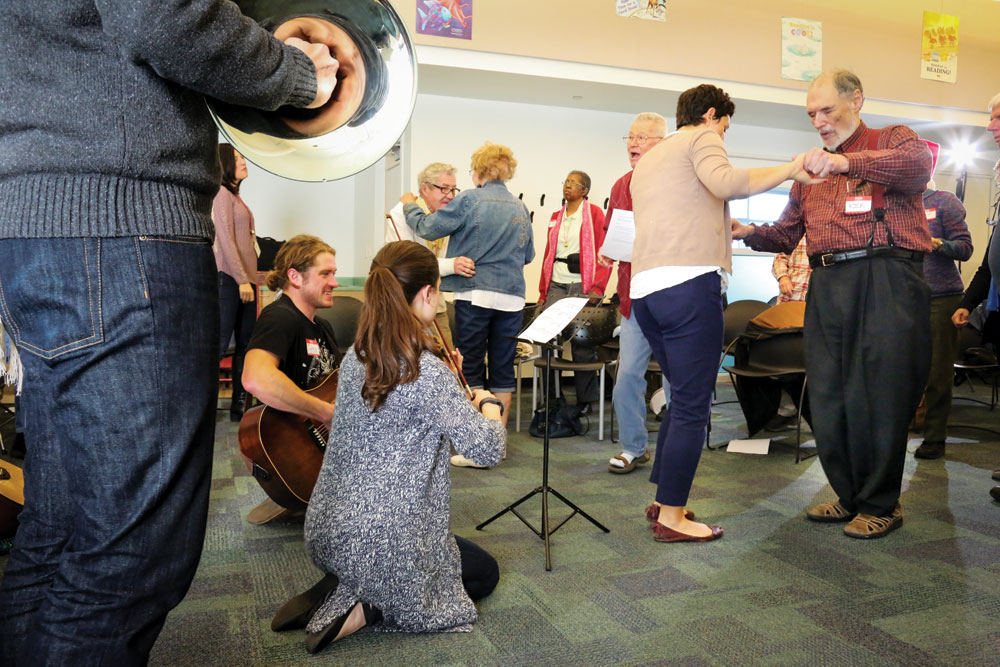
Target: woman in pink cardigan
[[236, 258], [570, 267]]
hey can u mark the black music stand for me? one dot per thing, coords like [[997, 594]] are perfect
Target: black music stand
[[544, 532]]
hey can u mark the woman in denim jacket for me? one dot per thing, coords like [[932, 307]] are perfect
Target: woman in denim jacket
[[493, 228]]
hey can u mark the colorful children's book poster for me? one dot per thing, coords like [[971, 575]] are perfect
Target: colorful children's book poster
[[801, 49], [939, 52], [445, 18], [652, 10]]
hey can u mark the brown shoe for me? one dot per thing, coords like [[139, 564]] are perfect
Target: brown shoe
[[868, 527], [662, 533], [829, 513]]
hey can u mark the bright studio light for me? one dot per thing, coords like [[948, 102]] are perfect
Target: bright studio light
[[962, 155]]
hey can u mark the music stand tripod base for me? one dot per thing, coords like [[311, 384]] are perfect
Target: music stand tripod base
[[545, 531]]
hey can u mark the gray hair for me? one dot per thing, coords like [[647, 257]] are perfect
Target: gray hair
[[651, 117], [433, 170], [845, 81], [993, 102]]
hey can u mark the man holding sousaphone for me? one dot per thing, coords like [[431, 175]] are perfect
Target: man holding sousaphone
[[110, 296], [290, 366]]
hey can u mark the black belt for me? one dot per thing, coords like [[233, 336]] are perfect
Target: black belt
[[831, 258]]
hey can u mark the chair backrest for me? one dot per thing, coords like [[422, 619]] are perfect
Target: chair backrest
[[737, 315], [593, 326], [343, 317], [783, 352]]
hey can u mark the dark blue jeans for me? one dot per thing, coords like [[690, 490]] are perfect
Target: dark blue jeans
[[484, 335], [118, 338], [683, 325], [235, 317]]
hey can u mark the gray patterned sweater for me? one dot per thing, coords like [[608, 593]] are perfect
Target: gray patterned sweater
[[378, 517]]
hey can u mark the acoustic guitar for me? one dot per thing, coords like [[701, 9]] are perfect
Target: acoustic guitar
[[284, 450]]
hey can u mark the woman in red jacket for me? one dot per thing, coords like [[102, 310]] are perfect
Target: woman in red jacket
[[570, 267]]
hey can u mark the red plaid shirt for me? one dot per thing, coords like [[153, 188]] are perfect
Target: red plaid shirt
[[795, 267], [902, 163]]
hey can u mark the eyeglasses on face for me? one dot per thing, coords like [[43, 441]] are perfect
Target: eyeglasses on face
[[574, 183], [445, 189], [640, 138]]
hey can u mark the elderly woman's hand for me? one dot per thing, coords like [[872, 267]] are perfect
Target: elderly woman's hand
[[408, 198]]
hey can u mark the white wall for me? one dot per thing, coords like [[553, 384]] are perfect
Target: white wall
[[548, 142]]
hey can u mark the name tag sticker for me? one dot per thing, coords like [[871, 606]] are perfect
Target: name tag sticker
[[312, 347], [859, 204], [552, 223], [931, 213]]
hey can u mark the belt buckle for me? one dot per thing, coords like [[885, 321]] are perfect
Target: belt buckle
[[823, 258]]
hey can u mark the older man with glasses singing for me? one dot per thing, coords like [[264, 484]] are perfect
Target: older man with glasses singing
[[437, 189]]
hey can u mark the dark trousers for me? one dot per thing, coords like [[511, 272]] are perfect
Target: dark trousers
[[683, 325], [485, 338], [480, 572], [867, 345], [944, 349], [235, 317], [587, 385]]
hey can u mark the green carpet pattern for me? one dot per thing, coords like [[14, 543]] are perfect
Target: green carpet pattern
[[776, 590]]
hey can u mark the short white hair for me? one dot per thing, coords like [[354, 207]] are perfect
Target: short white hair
[[994, 102], [432, 171], [652, 117]]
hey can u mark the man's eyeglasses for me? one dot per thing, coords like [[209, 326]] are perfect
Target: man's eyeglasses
[[445, 190], [642, 138]]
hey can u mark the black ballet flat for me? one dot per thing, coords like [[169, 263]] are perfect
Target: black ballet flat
[[297, 612], [316, 642]]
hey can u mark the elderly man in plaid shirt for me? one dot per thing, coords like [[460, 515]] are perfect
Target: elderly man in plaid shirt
[[867, 333]]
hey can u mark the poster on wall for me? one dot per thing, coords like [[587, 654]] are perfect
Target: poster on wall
[[939, 52], [801, 49], [653, 10], [445, 18]]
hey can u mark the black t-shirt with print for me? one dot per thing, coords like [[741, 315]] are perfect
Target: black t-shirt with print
[[307, 351]]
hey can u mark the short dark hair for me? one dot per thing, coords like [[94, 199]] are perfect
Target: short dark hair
[[584, 178], [694, 102]]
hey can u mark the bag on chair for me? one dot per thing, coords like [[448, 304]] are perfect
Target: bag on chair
[[564, 422]]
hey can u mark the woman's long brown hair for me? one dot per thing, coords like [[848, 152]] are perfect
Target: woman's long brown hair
[[390, 338]]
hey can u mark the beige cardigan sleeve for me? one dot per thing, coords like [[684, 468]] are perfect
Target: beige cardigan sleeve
[[711, 164]]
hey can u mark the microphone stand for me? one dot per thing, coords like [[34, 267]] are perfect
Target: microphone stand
[[545, 531]]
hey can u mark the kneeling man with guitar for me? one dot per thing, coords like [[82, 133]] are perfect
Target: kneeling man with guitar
[[290, 367]]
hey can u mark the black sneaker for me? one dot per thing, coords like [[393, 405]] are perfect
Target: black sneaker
[[930, 449]]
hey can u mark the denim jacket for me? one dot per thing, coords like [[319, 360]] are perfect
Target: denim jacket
[[489, 226]]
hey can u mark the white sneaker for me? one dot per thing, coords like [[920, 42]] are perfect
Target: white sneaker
[[462, 462]]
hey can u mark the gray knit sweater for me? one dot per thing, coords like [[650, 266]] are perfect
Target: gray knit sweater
[[378, 517], [103, 125]]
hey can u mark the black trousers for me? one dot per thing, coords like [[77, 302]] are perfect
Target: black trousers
[[480, 572], [867, 345]]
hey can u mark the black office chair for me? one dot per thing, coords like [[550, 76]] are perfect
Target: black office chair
[[343, 317], [764, 363]]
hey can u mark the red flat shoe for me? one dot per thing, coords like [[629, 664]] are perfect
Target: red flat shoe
[[653, 513], [662, 533]]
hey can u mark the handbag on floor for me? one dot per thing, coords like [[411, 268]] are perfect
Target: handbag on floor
[[564, 422]]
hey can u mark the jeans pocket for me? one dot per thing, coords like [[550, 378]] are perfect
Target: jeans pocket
[[50, 294]]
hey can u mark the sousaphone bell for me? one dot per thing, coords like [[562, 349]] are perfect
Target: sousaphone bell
[[371, 104]]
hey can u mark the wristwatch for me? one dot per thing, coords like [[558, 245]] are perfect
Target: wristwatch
[[491, 401]]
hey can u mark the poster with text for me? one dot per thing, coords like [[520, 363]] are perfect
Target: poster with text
[[801, 49], [445, 18], [653, 10], [939, 52]]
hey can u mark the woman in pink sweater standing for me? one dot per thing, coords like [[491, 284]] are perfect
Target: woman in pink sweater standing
[[680, 261], [236, 258]]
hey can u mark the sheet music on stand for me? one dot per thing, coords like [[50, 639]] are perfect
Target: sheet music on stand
[[553, 320]]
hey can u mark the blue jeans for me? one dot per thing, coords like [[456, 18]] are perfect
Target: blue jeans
[[484, 335], [683, 325], [630, 386], [119, 340]]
